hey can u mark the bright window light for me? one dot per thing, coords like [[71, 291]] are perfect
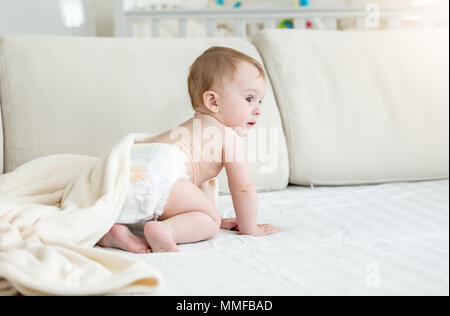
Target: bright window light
[[72, 12]]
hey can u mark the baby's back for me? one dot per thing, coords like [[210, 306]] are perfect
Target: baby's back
[[201, 140]]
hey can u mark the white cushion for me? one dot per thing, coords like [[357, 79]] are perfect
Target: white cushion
[[81, 95], [361, 107]]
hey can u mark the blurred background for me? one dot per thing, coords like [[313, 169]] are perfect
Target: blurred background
[[102, 17]]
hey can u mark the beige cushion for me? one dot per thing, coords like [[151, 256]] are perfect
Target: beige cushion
[[361, 107], [81, 95]]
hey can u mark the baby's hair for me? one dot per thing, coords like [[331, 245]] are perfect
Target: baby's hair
[[209, 69]]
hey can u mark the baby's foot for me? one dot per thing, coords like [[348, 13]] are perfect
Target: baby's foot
[[119, 236], [159, 238]]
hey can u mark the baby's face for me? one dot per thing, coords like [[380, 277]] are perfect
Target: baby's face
[[240, 100]]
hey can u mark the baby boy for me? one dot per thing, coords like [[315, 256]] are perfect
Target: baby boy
[[165, 200]]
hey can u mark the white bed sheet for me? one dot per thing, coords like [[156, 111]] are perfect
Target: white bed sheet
[[387, 239]]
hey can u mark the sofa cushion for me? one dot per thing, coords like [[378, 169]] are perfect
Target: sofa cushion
[[81, 95], [361, 107]]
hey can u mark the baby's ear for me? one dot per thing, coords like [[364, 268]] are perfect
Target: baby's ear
[[210, 101]]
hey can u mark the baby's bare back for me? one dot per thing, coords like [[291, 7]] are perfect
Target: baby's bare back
[[201, 140]]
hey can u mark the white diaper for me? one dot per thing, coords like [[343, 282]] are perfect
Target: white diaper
[[154, 168]]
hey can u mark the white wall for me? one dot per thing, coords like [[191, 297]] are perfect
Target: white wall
[[32, 17]]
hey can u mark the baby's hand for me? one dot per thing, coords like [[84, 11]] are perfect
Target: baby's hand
[[229, 224], [261, 229], [266, 229]]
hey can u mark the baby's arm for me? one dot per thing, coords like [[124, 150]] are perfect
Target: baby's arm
[[243, 193]]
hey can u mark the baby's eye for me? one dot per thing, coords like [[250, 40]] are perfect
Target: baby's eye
[[249, 99]]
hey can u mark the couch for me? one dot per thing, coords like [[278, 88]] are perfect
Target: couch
[[354, 165]]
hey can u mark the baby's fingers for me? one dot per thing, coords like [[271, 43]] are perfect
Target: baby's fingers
[[268, 229], [229, 224]]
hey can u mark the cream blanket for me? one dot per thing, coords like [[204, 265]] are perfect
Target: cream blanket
[[53, 210]]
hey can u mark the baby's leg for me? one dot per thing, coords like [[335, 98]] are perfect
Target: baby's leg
[[189, 216], [119, 236]]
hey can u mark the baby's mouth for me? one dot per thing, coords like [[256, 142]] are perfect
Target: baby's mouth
[[251, 124]]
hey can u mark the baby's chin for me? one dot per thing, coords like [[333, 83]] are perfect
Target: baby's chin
[[241, 131]]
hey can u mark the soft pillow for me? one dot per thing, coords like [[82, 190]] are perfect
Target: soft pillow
[[361, 107]]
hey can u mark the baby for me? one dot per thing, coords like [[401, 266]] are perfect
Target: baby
[[168, 201]]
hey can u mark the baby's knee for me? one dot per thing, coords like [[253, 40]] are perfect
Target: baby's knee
[[214, 214], [216, 227], [216, 217], [210, 208]]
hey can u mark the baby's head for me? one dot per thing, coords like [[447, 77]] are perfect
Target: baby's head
[[228, 85]]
